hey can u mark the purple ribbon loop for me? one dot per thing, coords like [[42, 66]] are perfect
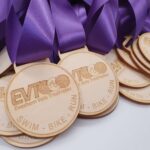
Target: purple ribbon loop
[[89, 2], [139, 11], [101, 26], [81, 13], [45, 21], [35, 39], [69, 29], [146, 27], [13, 33], [4, 10], [5, 6], [133, 18]]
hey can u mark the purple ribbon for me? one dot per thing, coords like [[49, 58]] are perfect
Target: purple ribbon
[[81, 13], [35, 39], [70, 31], [132, 16], [140, 13], [5, 6], [49, 25], [146, 27], [101, 29]]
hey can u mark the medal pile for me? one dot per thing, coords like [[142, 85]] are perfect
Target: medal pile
[[132, 65], [52, 70], [41, 100]]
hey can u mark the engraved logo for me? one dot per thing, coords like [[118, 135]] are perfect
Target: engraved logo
[[40, 91], [88, 73]]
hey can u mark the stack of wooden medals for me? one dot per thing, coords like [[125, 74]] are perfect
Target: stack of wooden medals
[[8, 131], [39, 101], [132, 65]]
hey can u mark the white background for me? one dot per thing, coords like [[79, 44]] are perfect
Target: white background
[[127, 128]]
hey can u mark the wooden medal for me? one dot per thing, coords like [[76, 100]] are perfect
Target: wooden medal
[[24, 141], [125, 56], [6, 126], [144, 45], [97, 82], [141, 95], [42, 100], [144, 70], [139, 56], [107, 112], [126, 75]]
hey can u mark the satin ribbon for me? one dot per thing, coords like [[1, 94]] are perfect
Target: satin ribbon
[[80, 10], [70, 31], [35, 39], [5, 6], [105, 21], [64, 32], [140, 13], [146, 27], [101, 29], [132, 19]]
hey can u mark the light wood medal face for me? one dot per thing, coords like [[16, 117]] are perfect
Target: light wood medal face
[[125, 56], [143, 69], [42, 100], [25, 141], [141, 95], [126, 75], [139, 56], [144, 44], [108, 111], [6, 126], [97, 82]]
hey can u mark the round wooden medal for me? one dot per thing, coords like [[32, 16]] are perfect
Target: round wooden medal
[[143, 69], [42, 100], [141, 95], [113, 107], [144, 45], [126, 75], [6, 126], [97, 82], [107, 112], [5, 62], [125, 56], [139, 56], [24, 141]]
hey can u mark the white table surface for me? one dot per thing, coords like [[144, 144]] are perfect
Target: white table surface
[[127, 128]]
